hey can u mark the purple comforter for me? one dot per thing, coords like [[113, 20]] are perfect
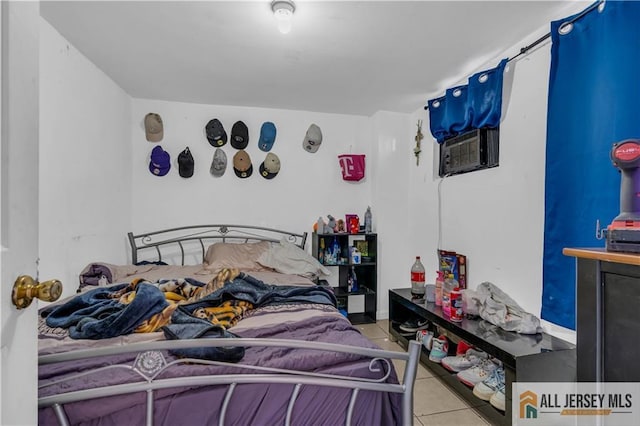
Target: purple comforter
[[252, 404]]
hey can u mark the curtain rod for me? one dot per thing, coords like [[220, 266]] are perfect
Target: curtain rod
[[547, 35], [525, 49]]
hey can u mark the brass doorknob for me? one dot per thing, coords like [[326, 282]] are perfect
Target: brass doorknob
[[25, 289]]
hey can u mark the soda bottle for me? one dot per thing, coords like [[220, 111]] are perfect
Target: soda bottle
[[417, 279]]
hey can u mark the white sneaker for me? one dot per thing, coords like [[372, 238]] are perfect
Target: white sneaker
[[497, 400], [458, 363], [474, 375], [485, 390]]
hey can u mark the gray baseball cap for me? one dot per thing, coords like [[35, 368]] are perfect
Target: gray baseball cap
[[219, 163], [312, 139]]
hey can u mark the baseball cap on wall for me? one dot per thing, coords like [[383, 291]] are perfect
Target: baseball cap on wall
[[160, 162], [239, 135], [242, 164], [185, 163], [216, 135], [270, 166], [312, 139], [153, 127], [219, 163], [267, 136]]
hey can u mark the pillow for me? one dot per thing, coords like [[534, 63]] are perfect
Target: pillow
[[288, 258], [242, 256]]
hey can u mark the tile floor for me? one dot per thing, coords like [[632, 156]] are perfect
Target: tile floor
[[433, 402]]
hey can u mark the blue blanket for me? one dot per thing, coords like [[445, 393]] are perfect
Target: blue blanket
[[99, 314]]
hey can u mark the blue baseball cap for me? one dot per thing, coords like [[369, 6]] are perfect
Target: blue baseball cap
[[160, 161], [267, 136]]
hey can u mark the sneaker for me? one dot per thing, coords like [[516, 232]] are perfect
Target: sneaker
[[470, 358], [439, 349], [479, 373], [413, 325], [425, 337], [462, 347], [485, 390], [497, 400]]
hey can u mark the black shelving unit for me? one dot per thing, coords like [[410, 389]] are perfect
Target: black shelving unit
[[526, 358], [366, 271]]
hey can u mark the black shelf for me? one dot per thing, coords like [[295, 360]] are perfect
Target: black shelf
[[366, 272], [341, 292], [526, 358], [361, 318]]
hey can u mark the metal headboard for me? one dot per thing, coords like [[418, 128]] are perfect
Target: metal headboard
[[192, 240]]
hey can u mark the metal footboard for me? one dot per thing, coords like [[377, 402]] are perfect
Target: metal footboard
[[151, 363]]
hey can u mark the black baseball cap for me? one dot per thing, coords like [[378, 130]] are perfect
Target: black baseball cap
[[216, 134], [239, 135]]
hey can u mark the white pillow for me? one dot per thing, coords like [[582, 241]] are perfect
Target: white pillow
[[288, 258]]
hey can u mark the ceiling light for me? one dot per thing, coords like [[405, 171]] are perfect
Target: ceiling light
[[283, 11]]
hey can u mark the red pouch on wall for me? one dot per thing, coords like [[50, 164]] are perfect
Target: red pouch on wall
[[352, 166]]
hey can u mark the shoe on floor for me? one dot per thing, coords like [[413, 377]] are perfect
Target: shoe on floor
[[413, 325], [471, 358], [485, 390], [479, 373], [439, 349], [497, 400]]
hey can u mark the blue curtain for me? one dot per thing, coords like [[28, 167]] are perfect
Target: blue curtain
[[594, 93], [472, 106]]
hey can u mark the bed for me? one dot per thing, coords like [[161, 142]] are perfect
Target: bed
[[236, 332]]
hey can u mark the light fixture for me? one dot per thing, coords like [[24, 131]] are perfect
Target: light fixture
[[283, 11]]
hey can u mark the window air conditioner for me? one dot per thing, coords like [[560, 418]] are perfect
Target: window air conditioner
[[474, 150]]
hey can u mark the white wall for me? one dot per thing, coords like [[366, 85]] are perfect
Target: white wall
[[389, 203], [308, 185], [85, 162]]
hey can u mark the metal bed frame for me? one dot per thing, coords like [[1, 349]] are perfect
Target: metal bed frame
[[196, 238], [151, 363], [177, 244]]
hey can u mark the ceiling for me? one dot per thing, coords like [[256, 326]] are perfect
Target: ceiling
[[356, 57]]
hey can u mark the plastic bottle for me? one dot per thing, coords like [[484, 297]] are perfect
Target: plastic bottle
[[417, 279], [449, 284], [368, 225], [335, 249], [456, 305], [354, 280], [439, 283], [356, 256], [321, 252]]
